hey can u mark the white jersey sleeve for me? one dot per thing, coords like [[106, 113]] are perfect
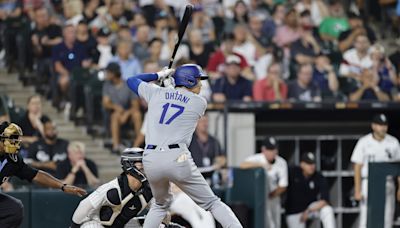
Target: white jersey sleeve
[[358, 152], [283, 174], [147, 90], [256, 158]]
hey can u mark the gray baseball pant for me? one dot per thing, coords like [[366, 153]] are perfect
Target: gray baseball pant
[[164, 165]]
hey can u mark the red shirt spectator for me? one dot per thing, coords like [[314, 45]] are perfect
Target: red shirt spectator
[[271, 88]]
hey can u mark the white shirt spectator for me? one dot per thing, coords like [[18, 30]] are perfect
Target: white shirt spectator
[[248, 51], [352, 63]]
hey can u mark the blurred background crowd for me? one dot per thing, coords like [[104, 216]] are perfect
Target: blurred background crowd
[[77, 54]]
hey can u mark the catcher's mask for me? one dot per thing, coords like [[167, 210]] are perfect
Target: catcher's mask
[[129, 159], [10, 137]]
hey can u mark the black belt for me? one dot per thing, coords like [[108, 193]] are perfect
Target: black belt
[[152, 147]]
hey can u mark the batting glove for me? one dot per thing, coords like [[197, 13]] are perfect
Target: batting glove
[[169, 82], [164, 73]]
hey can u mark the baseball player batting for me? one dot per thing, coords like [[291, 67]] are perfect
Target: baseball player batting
[[172, 118], [115, 203]]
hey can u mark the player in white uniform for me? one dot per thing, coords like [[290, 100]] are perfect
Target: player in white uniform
[[377, 146], [172, 118], [115, 203], [277, 171]]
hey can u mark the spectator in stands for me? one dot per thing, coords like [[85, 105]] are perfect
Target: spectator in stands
[[357, 27], [272, 87], [216, 63], [86, 40], [306, 48], [77, 169], [303, 88], [232, 86], [325, 77], [66, 56], [113, 19], [129, 64], [31, 123], [336, 23], [199, 51], [308, 195], [277, 171], [49, 150], [155, 46], [290, 31], [206, 150], [89, 10], [271, 25], [161, 25], [44, 37], [356, 59], [383, 67], [257, 36], [202, 22], [377, 146], [104, 48], [140, 46], [72, 12], [317, 8], [123, 105], [243, 44], [240, 16], [168, 47], [159, 8], [15, 35], [369, 88]]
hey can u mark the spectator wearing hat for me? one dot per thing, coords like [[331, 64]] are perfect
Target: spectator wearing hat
[[216, 63], [123, 105], [272, 87], [277, 171], [104, 48], [303, 88], [357, 27], [232, 86], [377, 146], [48, 151], [308, 195]]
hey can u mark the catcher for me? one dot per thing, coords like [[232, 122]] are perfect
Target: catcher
[[12, 164], [115, 203]]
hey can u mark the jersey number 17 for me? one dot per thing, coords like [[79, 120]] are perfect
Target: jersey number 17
[[179, 111]]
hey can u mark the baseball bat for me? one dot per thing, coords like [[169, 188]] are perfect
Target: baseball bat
[[182, 28]]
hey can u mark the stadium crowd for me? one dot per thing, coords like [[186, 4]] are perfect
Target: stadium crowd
[[253, 50]]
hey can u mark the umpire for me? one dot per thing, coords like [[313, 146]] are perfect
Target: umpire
[[12, 164]]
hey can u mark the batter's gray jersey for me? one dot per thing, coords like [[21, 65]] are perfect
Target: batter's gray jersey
[[172, 114]]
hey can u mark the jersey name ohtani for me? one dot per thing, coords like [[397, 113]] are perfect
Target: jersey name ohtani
[[176, 96]]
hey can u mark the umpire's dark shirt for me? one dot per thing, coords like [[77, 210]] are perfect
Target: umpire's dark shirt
[[13, 165], [302, 192]]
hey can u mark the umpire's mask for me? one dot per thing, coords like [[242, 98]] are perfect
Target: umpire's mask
[[129, 158], [10, 137]]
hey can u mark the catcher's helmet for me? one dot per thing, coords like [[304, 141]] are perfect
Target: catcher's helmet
[[129, 158], [10, 137], [187, 75]]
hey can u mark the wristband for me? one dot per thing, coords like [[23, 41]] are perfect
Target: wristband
[[63, 186]]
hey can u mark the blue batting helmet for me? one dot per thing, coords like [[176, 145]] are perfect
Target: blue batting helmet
[[187, 75]]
